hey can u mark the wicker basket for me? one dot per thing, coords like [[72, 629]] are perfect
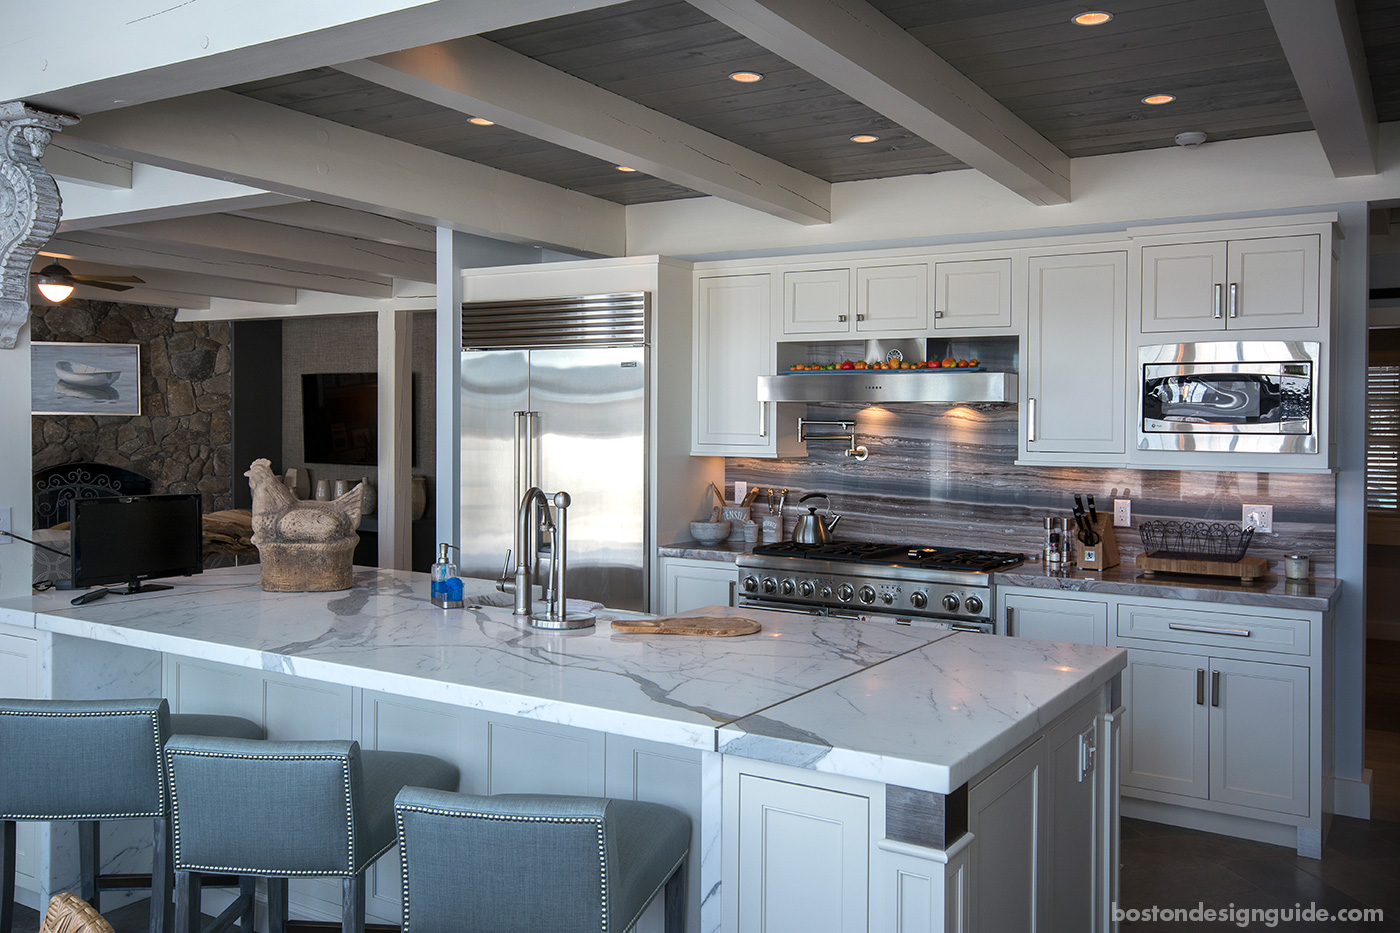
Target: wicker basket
[[1217, 541], [69, 913]]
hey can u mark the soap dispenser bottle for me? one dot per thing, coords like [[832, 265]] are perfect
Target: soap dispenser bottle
[[446, 587]]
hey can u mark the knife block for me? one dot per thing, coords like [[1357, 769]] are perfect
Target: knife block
[[1101, 555]]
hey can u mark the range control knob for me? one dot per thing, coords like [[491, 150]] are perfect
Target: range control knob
[[769, 584], [807, 589], [973, 604], [918, 600], [950, 602], [867, 594], [887, 598], [844, 592], [826, 591], [750, 584], [788, 587]]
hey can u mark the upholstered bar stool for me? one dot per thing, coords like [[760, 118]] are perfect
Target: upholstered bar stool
[[525, 863], [284, 810], [88, 761]]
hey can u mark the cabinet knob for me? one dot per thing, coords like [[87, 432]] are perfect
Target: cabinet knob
[[842, 317], [938, 314], [860, 317]]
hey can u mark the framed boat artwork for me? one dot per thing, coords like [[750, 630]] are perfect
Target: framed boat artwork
[[85, 378]]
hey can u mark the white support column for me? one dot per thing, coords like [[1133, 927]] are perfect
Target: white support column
[[451, 250], [395, 438]]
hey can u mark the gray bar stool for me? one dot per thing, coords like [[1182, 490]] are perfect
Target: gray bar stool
[[525, 863], [88, 761], [280, 810]]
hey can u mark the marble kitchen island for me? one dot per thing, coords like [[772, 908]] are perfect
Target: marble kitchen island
[[871, 767]]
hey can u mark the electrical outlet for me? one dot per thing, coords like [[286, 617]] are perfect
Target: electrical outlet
[[1258, 517], [5, 524], [1122, 513], [741, 489]]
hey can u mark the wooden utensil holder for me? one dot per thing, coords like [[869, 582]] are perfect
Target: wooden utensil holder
[[1102, 554]]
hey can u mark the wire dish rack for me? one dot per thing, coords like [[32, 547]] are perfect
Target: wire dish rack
[[1213, 541]]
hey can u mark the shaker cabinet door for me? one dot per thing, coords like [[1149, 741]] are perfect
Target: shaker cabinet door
[[732, 330], [1167, 747], [972, 293], [1259, 735], [817, 302]]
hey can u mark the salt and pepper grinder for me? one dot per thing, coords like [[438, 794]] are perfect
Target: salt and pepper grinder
[[446, 587]]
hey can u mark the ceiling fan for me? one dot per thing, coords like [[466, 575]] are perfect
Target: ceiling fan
[[56, 283]]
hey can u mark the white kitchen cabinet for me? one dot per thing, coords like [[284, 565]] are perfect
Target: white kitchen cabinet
[[1004, 814], [1167, 723], [688, 583], [1054, 618], [732, 349], [892, 298], [1236, 284], [817, 301], [1075, 363], [973, 293]]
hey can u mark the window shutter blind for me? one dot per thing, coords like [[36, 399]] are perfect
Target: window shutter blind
[[1382, 437]]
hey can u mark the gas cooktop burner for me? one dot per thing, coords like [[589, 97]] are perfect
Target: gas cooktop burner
[[903, 555]]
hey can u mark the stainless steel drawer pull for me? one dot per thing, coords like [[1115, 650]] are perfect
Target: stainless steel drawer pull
[[1200, 686], [1214, 688], [1208, 630]]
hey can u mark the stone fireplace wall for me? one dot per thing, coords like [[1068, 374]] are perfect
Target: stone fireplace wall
[[181, 439]]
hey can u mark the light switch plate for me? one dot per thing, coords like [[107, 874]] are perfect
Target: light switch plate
[[1258, 517]]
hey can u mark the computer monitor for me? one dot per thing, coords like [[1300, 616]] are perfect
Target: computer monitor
[[129, 539]]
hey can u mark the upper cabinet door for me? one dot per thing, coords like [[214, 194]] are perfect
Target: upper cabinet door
[[1183, 287], [732, 337], [1273, 283], [817, 302], [972, 293], [892, 298]]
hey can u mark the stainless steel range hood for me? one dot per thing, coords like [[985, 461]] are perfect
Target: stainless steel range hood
[[876, 385]]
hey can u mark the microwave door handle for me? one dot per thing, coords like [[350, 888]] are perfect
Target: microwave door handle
[[1219, 310]]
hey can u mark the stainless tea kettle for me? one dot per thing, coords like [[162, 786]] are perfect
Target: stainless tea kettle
[[810, 528]]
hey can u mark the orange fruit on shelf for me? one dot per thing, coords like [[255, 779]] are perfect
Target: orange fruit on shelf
[[949, 361]]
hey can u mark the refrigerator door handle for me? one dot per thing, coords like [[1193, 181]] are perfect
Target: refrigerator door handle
[[524, 454]]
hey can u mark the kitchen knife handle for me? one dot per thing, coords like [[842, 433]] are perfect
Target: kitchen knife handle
[[1030, 421], [1234, 299], [1219, 307], [1200, 685]]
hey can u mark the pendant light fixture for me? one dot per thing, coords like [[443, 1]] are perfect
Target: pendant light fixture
[[55, 283]]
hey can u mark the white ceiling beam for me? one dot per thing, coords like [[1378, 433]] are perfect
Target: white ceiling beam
[[226, 135], [307, 303], [92, 55], [136, 256], [156, 194], [70, 165], [362, 225], [476, 77], [860, 52], [183, 283], [305, 247], [1322, 41]]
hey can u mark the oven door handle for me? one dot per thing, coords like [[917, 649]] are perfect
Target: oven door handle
[[776, 607]]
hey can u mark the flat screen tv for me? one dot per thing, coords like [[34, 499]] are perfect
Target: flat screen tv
[[340, 417], [129, 539]]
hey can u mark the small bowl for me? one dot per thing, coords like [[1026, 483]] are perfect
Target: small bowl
[[709, 532]]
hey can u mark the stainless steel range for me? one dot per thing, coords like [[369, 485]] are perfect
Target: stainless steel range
[[906, 584]]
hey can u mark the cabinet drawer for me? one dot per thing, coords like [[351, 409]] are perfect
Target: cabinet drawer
[[1216, 629]]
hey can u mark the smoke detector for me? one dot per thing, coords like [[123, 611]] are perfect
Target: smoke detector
[[1191, 138]]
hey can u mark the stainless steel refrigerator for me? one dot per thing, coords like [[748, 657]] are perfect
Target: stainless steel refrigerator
[[565, 413]]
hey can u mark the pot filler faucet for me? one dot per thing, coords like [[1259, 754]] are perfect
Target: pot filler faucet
[[532, 519]]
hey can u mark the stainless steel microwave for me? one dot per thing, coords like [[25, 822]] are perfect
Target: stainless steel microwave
[[1257, 396]]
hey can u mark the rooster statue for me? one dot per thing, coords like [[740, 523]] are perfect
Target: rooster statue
[[302, 546]]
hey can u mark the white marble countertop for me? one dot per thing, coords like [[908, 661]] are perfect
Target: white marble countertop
[[914, 706]]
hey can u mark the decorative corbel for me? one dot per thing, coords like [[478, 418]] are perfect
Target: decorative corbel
[[29, 206]]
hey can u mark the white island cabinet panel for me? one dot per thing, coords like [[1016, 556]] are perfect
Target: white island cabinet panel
[[1004, 817], [19, 660]]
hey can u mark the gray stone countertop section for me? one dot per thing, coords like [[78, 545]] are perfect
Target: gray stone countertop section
[[1318, 594], [696, 551]]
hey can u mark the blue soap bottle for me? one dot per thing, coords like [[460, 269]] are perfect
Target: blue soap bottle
[[446, 587]]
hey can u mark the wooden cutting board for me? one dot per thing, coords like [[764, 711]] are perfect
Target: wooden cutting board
[[1247, 569], [691, 625]]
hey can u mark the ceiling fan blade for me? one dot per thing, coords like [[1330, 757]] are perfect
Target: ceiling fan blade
[[94, 279], [110, 286]]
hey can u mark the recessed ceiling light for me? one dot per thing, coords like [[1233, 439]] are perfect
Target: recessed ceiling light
[[746, 77], [864, 138], [1156, 99], [481, 121], [1091, 18], [625, 168]]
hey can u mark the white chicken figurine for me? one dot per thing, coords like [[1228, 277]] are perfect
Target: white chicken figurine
[[303, 546]]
